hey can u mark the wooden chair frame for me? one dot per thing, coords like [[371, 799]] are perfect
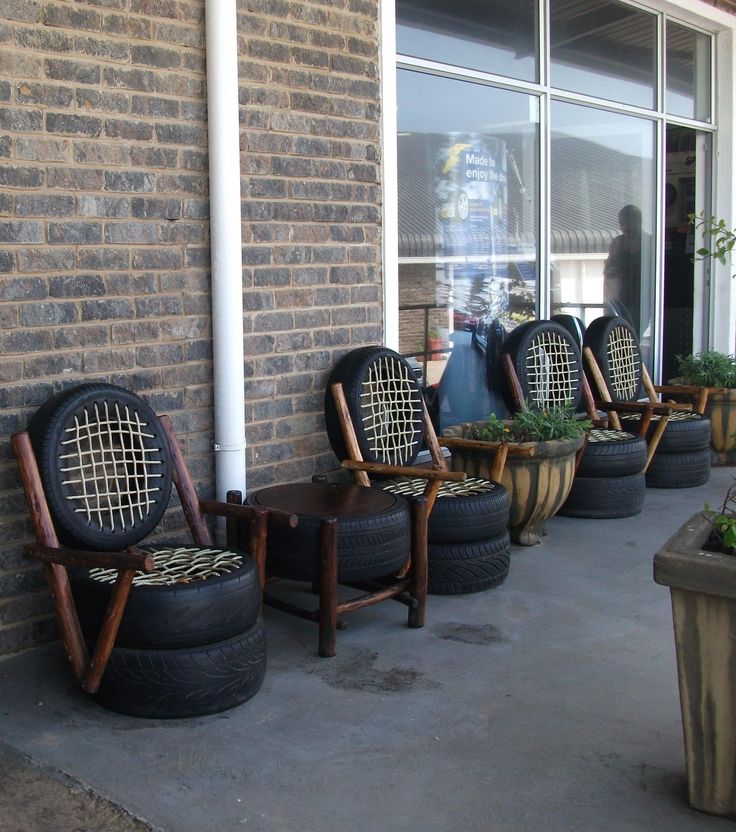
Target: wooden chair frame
[[88, 670], [438, 472]]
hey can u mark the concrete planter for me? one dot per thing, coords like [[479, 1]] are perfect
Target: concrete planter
[[703, 592], [537, 485], [721, 410]]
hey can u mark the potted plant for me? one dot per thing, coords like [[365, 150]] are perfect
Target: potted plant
[[435, 343], [699, 567], [715, 371], [538, 484]]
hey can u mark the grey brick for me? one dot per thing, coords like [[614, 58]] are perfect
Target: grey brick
[[48, 314], [103, 310], [73, 125], [67, 70], [132, 181], [77, 233], [21, 232], [21, 177], [76, 286]]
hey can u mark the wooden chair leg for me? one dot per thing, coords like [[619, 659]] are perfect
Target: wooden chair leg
[[108, 631], [328, 587], [56, 574]]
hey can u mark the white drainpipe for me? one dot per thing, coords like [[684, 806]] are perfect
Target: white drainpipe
[[227, 277]]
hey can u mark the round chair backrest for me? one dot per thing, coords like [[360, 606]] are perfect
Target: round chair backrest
[[385, 405], [105, 466], [614, 343], [548, 365]]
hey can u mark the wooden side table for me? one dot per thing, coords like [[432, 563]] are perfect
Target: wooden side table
[[347, 534]]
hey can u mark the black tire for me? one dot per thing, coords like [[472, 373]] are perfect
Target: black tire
[[370, 546], [617, 457], [382, 421], [683, 435], [167, 616], [601, 497], [101, 526], [459, 568], [679, 470], [573, 325], [556, 345], [187, 682], [495, 337], [621, 386], [459, 517]]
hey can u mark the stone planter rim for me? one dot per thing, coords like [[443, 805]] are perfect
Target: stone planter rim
[[682, 563]]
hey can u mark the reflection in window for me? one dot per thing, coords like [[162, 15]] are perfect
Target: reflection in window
[[604, 48], [468, 214], [488, 35], [688, 72], [602, 215]]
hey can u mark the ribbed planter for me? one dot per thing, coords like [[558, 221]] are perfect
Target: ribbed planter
[[537, 486], [703, 593], [721, 410]]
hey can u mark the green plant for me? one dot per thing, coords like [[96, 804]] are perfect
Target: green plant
[[532, 425], [720, 240], [724, 521], [708, 369]]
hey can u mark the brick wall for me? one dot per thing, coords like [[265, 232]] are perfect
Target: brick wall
[[104, 258]]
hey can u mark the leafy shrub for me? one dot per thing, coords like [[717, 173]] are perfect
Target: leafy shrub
[[708, 369], [532, 425], [724, 521]]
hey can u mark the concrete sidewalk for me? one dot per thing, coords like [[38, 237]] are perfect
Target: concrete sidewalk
[[549, 703]]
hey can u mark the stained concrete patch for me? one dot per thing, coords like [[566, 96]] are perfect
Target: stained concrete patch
[[356, 670], [34, 799], [470, 633]]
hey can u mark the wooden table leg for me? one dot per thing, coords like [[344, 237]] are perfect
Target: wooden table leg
[[328, 587], [419, 574]]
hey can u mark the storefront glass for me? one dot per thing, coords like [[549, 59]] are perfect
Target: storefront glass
[[487, 35], [688, 72], [602, 215], [605, 49], [468, 217], [538, 193]]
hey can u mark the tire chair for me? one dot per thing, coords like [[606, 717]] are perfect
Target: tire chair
[[143, 626], [679, 448], [377, 423], [543, 367]]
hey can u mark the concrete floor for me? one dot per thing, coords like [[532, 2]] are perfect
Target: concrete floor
[[549, 703]]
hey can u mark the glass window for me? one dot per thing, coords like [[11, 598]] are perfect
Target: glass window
[[688, 72], [603, 210], [605, 49], [468, 219], [487, 35]]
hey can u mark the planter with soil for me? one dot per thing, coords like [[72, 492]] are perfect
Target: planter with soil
[[701, 575], [537, 485]]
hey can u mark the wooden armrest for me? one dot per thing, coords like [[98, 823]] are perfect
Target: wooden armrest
[[131, 559], [404, 471], [684, 389], [482, 445], [239, 512]]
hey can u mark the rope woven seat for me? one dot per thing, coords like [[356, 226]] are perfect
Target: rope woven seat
[[178, 565], [406, 486]]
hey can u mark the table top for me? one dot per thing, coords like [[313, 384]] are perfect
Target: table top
[[320, 499]]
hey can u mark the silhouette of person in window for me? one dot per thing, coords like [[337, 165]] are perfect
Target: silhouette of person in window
[[622, 271]]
